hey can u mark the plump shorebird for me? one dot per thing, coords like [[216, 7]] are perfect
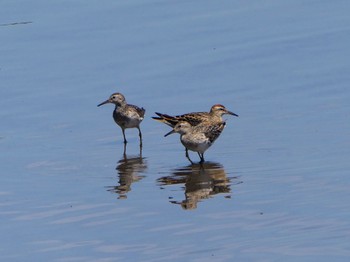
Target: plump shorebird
[[195, 118], [198, 138], [126, 115]]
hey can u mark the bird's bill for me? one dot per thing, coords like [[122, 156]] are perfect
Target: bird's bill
[[171, 132], [231, 113], [103, 103]]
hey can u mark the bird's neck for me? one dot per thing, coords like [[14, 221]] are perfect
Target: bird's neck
[[212, 113], [215, 115], [119, 106]]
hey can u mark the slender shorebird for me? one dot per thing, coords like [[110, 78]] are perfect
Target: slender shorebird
[[126, 115], [198, 138], [195, 118]]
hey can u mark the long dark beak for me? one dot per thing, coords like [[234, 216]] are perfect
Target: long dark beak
[[231, 113], [171, 132], [105, 102]]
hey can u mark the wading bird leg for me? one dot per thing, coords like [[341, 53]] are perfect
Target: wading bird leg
[[201, 156], [188, 157], [124, 136], [140, 135]]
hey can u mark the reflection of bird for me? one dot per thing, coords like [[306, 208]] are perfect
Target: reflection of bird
[[215, 115], [129, 170], [198, 138], [201, 182], [126, 115]]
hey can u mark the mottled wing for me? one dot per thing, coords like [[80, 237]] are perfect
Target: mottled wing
[[140, 111], [213, 131], [192, 118]]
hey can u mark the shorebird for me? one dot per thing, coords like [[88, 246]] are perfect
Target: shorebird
[[126, 115], [195, 118], [198, 138]]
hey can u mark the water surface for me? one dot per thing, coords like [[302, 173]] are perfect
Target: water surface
[[275, 184]]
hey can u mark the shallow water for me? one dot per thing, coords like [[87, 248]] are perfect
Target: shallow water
[[275, 185]]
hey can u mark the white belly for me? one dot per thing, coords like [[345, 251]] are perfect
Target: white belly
[[200, 144]]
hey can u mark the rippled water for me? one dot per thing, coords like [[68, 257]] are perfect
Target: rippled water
[[275, 185]]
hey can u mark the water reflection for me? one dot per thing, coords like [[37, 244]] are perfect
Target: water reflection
[[201, 181], [129, 169]]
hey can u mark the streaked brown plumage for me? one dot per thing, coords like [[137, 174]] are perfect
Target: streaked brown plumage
[[195, 118], [198, 138]]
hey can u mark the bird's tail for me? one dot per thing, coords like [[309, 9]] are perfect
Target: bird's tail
[[166, 119]]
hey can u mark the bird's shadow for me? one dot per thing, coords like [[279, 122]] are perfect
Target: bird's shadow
[[130, 169], [201, 181]]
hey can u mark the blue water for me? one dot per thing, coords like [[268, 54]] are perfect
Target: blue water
[[275, 186]]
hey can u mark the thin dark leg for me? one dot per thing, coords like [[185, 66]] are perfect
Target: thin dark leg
[[124, 154], [124, 136], [201, 156], [188, 156], [140, 135], [140, 152]]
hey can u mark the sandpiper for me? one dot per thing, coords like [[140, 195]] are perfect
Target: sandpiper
[[198, 138], [195, 118], [126, 115]]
